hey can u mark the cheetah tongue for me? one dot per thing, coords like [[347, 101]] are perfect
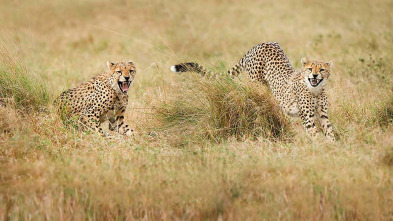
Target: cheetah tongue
[[314, 81], [124, 86]]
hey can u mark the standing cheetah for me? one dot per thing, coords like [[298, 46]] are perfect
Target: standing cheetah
[[102, 98], [298, 93]]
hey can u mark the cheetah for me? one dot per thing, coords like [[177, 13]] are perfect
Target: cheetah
[[102, 98], [299, 93]]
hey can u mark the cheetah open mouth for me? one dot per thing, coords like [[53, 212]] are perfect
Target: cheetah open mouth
[[314, 82], [124, 86]]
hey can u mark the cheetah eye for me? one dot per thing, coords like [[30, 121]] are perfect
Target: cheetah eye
[[119, 72], [322, 70], [131, 71], [309, 69]]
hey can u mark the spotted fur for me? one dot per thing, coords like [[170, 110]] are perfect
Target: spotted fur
[[103, 98], [299, 93]]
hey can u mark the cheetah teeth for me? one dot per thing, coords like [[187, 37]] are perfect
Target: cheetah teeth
[[124, 86], [314, 82]]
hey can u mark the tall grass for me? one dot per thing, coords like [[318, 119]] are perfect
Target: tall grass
[[221, 108], [18, 84]]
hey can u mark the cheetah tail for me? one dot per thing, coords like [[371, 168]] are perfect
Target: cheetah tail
[[195, 67], [191, 67]]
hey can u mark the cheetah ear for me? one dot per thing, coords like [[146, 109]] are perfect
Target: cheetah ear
[[304, 61], [110, 64], [330, 64]]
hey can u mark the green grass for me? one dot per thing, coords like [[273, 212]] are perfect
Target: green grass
[[19, 86]]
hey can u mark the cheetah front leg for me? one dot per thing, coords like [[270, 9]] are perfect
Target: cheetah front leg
[[324, 119], [118, 124], [307, 114], [308, 122], [92, 122]]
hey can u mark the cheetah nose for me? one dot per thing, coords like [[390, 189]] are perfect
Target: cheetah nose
[[127, 78], [315, 75]]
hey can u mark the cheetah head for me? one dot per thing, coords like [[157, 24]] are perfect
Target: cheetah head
[[123, 74], [316, 74]]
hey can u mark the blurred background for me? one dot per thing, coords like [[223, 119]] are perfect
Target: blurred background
[[70, 40]]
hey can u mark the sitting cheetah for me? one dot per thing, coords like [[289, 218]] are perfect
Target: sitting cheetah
[[103, 98], [298, 93]]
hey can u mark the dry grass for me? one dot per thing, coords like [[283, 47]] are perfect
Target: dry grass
[[218, 109], [385, 111], [50, 172]]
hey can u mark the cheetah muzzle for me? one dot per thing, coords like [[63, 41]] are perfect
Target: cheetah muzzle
[[124, 85], [314, 82]]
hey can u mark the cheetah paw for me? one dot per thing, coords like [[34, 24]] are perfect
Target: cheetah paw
[[130, 133]]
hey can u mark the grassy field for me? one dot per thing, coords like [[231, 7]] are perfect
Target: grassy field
[[212, 156]]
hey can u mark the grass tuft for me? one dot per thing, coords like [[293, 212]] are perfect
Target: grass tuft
[[18, 83], [221, 108]]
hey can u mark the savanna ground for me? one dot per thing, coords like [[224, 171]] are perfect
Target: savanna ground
[[219, 149]]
